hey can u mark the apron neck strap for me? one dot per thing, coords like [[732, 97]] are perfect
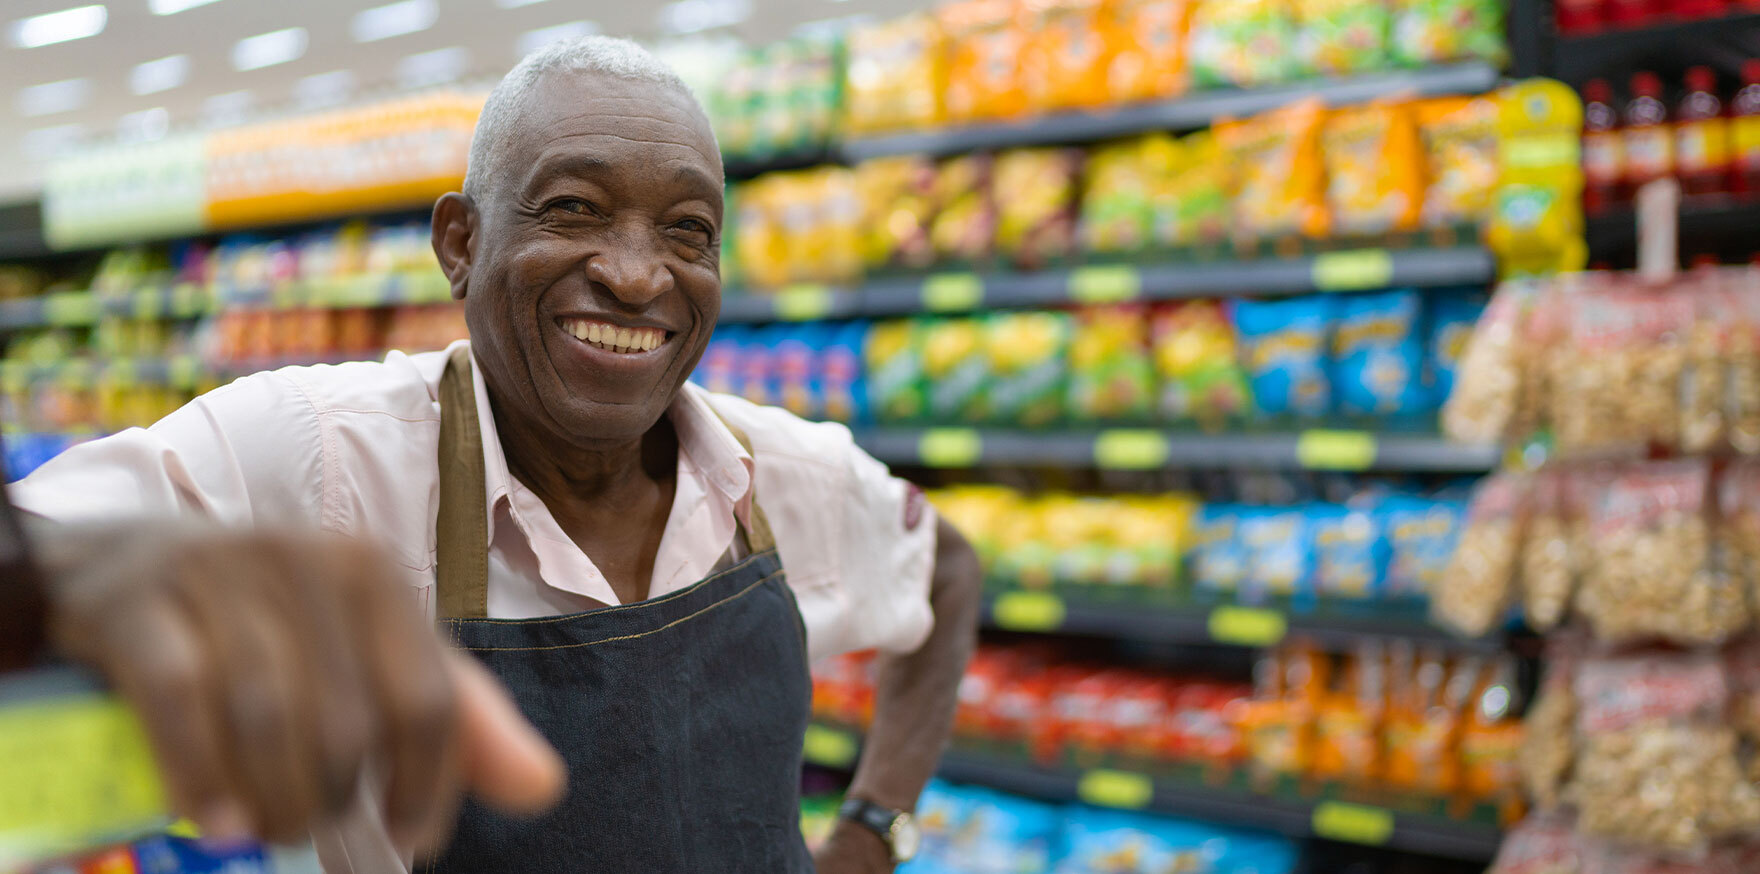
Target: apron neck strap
[[461, 586]]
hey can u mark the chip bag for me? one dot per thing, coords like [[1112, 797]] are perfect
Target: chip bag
[[894, 356], [1200, 373], [1218, 561], [1067, 55], [1148, 40], [984, 45], [1036, 214], [1192, 203], [1350, 549], [1378, 355], [1339, 37], [955, 369], [1116, 213], [1479, 585], [894, 79], [964, 227], [1280, 179], [899, 199], [1284, 345], [1111, 377], [1244, 43], [1374, 169], [1435, 31], [1459, 136], [1028, 362]]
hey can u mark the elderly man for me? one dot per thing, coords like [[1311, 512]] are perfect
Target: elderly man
[[647, 567]]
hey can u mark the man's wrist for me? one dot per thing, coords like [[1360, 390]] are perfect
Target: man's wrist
[[862, 843]]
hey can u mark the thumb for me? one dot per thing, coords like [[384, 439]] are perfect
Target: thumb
[[506, 763]]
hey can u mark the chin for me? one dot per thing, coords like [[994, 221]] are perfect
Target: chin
[[593, 422]]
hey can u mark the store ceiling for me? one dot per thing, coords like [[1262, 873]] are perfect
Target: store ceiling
[[96, 78]]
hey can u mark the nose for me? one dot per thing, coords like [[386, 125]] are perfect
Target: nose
[[632, 269]]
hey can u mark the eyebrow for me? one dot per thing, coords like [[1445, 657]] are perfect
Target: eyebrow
[[703, 182], [577, 165]]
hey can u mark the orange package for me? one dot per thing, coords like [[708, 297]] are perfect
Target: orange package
[[1148, 40], [1374, 169], [1459, 142], [1280, 180], [1424, 720], [894, 78], [984, 44], [1347, 724], [1491, 740], [1067, 53]]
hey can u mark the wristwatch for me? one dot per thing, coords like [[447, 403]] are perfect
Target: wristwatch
[[896, 827]]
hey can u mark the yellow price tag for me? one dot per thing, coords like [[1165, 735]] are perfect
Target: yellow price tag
[[950, 447], [1353, 823], [1111, 283], [1323, 449], [70, 308], [952, 292], [1247, 626], [1027, 611], [829, 747], [1130, 449], [1356, 270], [803, 303], [1108, 788], [72, 768]]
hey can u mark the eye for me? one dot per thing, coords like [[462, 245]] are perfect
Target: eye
[[572, 206], [695, 226]]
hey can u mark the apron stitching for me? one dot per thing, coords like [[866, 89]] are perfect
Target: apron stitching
[[615, 608], [640, 634]]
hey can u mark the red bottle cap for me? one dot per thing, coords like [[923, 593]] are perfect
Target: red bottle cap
[[1598, 91], [1646, 84], [1701, 79]]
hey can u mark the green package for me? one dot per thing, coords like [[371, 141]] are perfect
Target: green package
[[1027, 364]]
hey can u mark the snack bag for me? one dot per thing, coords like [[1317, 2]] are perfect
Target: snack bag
[[1278, 545], [1067, 55], [955, 369], [894, 78], [1026, 552], [942, 812], [1027, 353], [1339, 37], [1245, 43], [964, 228], [1280, 181], [1111, 378], [1195, 357], [1434, 31], [1350, 549], [795, 365], [1192, 202], [898, 195], [1738, 505], [843, 389], [1284, 345], [1706, 367], [1492, 738], [894, 356], [984, 44], [1004, 833], [1476, 590], [1347, 723], [1116, 213], [1036, 215], [1742, 399], [1489, 380], [1539, 845], [1453, 315], [1549, 749], [1547, 571], [1374, 168], [1148, 40], [1459, 136], [1378, 355], [1423, 723], [1218, 561]]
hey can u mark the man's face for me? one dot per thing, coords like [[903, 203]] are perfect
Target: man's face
[[595, 278]]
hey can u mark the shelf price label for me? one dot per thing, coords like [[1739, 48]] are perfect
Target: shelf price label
[[952, 292], [1027, 611], [1110, 283], [1353, 823], [1356, 270], [950, 447], [1247, 626], [829, 747], [1108, 788], [803, 303], [1325, 449], [1130, 449], [70, 308]]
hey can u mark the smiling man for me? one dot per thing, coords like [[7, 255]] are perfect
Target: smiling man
[[647, 567]]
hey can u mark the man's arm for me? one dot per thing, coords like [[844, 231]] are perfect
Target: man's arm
[[913, 707]]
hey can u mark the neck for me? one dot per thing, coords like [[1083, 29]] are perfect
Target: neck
[[567, 476]]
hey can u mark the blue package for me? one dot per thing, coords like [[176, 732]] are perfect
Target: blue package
[[1350, 549], [1454, 314], [1284, 345], [794, 354], [1005, 834], [942, 811], [1217, 561], [163, 854], [1279, 553], [1378, 355], [1115, 842], [1421, 537], [719, 370], [843, 390]]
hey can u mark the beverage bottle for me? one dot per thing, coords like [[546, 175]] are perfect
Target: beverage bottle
[[1701, 136], [1649, 142], [1632, 13], [1699, 8], [1744, 131], [1579, 16], [1603, 151]]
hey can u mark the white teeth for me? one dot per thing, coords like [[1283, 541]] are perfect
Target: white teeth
[[624, 340], [592, 331]]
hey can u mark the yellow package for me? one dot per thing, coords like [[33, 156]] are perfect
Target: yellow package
[[894, 76], [1067, 55], [1148, 57], [1036, 216], [983, 513], [1340, 37], [759, 245], [1117, 184], [1242, 43], [984, 44], [1192, 199], [1373, 175], [964, 228], [1536, 219], [1025, 555], [1280, 183], [1459, 137], [898, 204]]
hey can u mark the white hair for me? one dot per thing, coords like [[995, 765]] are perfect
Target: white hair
[[604, 55]]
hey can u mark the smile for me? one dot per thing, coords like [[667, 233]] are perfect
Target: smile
[[612, 338]]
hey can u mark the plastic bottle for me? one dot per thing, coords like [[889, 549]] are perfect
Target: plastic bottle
[[1632, 13], [1744, 131], [1580, 16], [1649, 142], [1701, 136], [1699, 8], [1603, 150]]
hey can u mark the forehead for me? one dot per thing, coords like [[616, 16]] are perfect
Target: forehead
[[633, 126]]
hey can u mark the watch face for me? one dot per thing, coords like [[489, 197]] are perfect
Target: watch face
[[905, 838]]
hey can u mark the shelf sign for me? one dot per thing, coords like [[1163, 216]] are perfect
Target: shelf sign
[[1353, 823], [1356, 270], [1107, 788], [829, 747], [803, 303], [1247, 626], [1130, 449], [952, 292], [1324, 449], [950, 447], [1027, 611], [72, 767], [1111, 283], [70, 308]]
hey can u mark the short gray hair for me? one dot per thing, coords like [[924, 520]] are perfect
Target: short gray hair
[[604, 55]]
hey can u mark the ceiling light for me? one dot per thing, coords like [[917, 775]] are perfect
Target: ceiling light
[[144, 126], [515, 4], [52, 97], [692, 16], [394, 19], [50, 142], [160, 75], [433, 68], [172, 7], [532, 40], [228, 108], [324, 89], [68, 24], [268, 49]]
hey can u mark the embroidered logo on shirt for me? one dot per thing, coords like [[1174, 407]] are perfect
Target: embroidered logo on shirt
[[913, 506]]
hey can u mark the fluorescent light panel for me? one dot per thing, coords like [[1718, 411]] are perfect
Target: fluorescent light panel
[[515, 4], [53, 27], [532, 40], [228, 108], [144, 126], [324, 89], [172, 7], [268, 49], [695, 16], [49, 142], [163, 74], [433, 68], [394, 19], [52, 97]]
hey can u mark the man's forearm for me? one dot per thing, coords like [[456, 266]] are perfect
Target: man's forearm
[[915, 694]]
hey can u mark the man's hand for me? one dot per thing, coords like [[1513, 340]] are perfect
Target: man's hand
[[270, 669], [852, 849]]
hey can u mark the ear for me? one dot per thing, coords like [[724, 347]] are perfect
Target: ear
[[455, 237]]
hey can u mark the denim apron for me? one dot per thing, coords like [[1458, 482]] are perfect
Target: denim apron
[[680, 717]]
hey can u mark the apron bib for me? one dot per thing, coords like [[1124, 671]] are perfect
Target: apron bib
[[680, 717]]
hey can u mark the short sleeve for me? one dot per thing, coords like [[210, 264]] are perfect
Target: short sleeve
[[888, 557]]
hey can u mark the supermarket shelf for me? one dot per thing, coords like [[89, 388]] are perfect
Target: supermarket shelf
[[1616, 52], [1193, 111], [1614, 235], [188, 300], [1346, 270], [1148, 449], [747, 166]]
